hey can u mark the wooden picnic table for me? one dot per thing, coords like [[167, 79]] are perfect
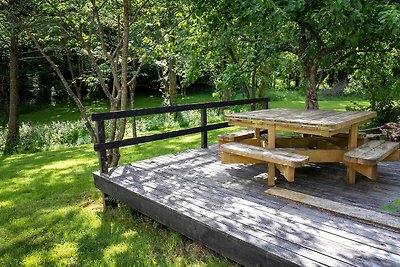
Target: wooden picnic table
[[317, 125]]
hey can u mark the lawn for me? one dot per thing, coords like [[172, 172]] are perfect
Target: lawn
[[68, 112], [51, 214]]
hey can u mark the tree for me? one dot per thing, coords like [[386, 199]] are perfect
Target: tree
[[13, 127], [376, 76], [325, 33], [240, 43], [102, 31]]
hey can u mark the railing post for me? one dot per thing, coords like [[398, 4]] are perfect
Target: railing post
[[204, 142], [101, 139]]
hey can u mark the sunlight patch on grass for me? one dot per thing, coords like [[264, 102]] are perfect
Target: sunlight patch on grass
[[33, 260], [64, 254], [6, 203], [115, 250]]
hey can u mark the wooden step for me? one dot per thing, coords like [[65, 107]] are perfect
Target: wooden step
[[263, 154], [371, 153]]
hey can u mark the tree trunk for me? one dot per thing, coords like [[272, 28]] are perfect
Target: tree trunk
[[245, 90], [12, 133], [124, 79], [297, 81], [253, 86], [311, 91], [132, 90], [173, 92], [265, 79]]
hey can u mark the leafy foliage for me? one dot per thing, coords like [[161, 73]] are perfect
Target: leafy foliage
[[376, 77], [41, 137], [394, 207]]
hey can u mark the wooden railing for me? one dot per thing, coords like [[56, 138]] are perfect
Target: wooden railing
[[101, 146]]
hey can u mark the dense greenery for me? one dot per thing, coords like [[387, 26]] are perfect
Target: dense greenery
[[112, 49], [56, 126]]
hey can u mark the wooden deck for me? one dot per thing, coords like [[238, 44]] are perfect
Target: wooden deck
[[225, 208]]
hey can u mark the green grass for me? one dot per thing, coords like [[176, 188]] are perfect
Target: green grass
[[51, 214], [337, 104], [69, 112]]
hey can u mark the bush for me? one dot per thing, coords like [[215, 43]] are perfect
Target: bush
[[376, 78], [40, 137]]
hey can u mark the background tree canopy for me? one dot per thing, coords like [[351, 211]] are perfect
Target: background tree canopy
[[56, 50]]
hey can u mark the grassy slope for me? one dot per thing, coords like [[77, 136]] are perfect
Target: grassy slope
[[51, 214]]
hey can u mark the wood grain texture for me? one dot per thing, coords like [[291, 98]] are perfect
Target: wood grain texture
[[236, 136], [267, 155], [337, 207], [321, 122], [372, 152], [224, 208]]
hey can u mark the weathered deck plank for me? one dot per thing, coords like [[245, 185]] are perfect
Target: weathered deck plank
[[225, 208]]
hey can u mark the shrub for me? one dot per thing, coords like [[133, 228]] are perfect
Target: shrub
[[376, 78], [40, 137]]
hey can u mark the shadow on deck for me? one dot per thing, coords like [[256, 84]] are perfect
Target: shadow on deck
[[225, 208]]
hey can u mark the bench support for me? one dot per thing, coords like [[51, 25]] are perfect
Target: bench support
[[286, 171], [271, 145], [352, 143], [369, 171]]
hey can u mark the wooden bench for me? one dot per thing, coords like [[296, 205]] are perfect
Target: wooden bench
[[366, 157], [235, 152], [371, 153], [236, 136], [244, 136]]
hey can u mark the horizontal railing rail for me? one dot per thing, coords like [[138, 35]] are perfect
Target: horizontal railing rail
[[101, 146], [157, 110]]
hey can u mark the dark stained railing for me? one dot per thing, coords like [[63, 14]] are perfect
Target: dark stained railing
[[101, 146]]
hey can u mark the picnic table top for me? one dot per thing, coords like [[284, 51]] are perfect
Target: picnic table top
[[328, 120]]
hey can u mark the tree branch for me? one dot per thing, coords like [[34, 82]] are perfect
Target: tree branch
[[312, 31], [66, 86], [156, 43]]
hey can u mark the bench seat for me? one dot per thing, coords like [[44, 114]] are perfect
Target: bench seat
[[371, 152], [267, 155], [286, 162], [263, 154], [236, 136]]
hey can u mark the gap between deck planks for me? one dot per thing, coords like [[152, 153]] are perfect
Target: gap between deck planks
[[370, 216], [159, 177], [323, 246]]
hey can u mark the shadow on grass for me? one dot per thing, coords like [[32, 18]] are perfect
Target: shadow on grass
[[51, 214]]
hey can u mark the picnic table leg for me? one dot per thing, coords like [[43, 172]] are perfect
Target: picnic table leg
[[271, 166], [352, 143], [257, 133]]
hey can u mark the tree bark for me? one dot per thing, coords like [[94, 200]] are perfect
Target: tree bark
[[132, 89], [124, 79], [311, 91], [253, 86], [245, 90], [13, 128], [173, 86]]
